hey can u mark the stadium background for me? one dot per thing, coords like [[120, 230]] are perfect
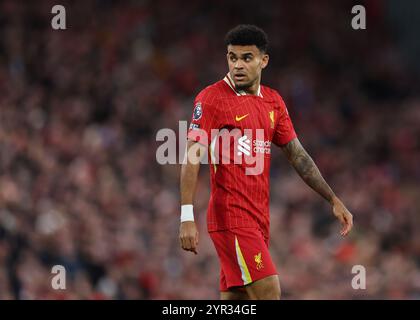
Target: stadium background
[[79, 112]]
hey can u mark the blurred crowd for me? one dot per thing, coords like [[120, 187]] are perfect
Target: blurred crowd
[[79, 182]]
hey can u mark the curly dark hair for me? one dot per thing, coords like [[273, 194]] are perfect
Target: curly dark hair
[[247, 34]]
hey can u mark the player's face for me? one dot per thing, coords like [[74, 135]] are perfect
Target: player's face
[[245, 65]]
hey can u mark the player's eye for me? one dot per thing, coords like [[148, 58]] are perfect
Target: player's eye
[[232, 58], [248, 58]]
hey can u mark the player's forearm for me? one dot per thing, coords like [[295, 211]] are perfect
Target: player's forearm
[[189, 171], [189, 176], [307, 169]]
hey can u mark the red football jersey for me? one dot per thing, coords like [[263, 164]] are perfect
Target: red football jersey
[[240, 154]]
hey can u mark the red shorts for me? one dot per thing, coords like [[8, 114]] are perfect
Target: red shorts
[[243, 255]]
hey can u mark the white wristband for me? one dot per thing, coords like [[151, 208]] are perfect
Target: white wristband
[[187, 213]]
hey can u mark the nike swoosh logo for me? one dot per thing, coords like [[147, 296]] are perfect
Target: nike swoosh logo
[[237, 118]]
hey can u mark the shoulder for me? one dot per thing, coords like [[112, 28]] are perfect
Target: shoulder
[[272, 94], [212, 93]]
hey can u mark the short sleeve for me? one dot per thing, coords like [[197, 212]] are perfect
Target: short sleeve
[[284, 131], [204, 118]]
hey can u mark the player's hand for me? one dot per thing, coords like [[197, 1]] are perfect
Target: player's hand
[[342, 214], [188, 236]]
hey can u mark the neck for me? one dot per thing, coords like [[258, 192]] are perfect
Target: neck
[[254, 88]]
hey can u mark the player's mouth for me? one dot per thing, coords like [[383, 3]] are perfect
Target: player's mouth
[[239, 77]]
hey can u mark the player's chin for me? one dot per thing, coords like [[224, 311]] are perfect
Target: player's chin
[[242, 84]]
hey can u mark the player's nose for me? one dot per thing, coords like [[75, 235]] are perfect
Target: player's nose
[[238, 65]]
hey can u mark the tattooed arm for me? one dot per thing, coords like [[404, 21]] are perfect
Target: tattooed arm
[[309, 172]]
